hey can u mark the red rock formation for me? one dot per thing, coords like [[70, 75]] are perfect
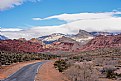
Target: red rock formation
[[102, 42], [20, 46], [64, 44], [34, 40], [22, 39]]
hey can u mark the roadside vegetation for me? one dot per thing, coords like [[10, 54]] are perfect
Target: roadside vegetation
[[61, 65], [92, 65], [7, 58]]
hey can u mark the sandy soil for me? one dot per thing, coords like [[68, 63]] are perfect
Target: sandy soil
[[5, 71], [48, 73]]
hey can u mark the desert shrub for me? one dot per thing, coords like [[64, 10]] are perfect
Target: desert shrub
[[7, 58], [110, 74], [108, 71], [82, 72], [61, 65]]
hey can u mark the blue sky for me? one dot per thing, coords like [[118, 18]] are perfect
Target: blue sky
[[21, 16], [35, 18]]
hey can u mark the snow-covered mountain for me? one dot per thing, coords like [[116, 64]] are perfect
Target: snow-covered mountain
[[101, 33], [104, 33], [51, 38], [82, 36], [3, 37]]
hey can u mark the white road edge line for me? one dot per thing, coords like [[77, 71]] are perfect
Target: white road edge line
[[38, 69]]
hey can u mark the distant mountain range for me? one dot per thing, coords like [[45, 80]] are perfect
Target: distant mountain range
[[48, 39], [82, 36], [104, 33], [57, 42], [101, 33], [3, 37]]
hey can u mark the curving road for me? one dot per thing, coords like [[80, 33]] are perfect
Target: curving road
[[27, 73]]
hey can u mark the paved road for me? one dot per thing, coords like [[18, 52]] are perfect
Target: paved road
[[26, 73]]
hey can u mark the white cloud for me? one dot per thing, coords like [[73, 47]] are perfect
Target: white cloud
[[34, 32], [36, 19], [109, 24], [106, 21], [6, 4], [10, 29], [80, 16]]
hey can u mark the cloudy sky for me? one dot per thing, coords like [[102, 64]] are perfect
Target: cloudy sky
[[35, 18]]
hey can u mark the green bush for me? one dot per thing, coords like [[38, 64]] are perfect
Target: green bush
[[61, 65], [110, 74], [7, 58]]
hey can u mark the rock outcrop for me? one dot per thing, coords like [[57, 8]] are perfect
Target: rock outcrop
[[102, 42], [20, 46]]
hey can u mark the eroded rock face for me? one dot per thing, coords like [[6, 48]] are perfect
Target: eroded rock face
[[103, 41], [67, 44], [20, 46], [82, 36], [63, 44], [35, 40], [83, 33]]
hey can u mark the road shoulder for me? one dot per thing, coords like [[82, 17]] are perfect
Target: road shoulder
[[47, 72]]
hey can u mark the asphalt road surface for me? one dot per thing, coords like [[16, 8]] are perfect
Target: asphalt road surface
[[27, 73]]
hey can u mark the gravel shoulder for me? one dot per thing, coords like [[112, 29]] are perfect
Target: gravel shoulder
[[6, 71], [47, 72]]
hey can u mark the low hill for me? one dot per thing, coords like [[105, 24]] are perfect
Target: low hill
[[20, 46]]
